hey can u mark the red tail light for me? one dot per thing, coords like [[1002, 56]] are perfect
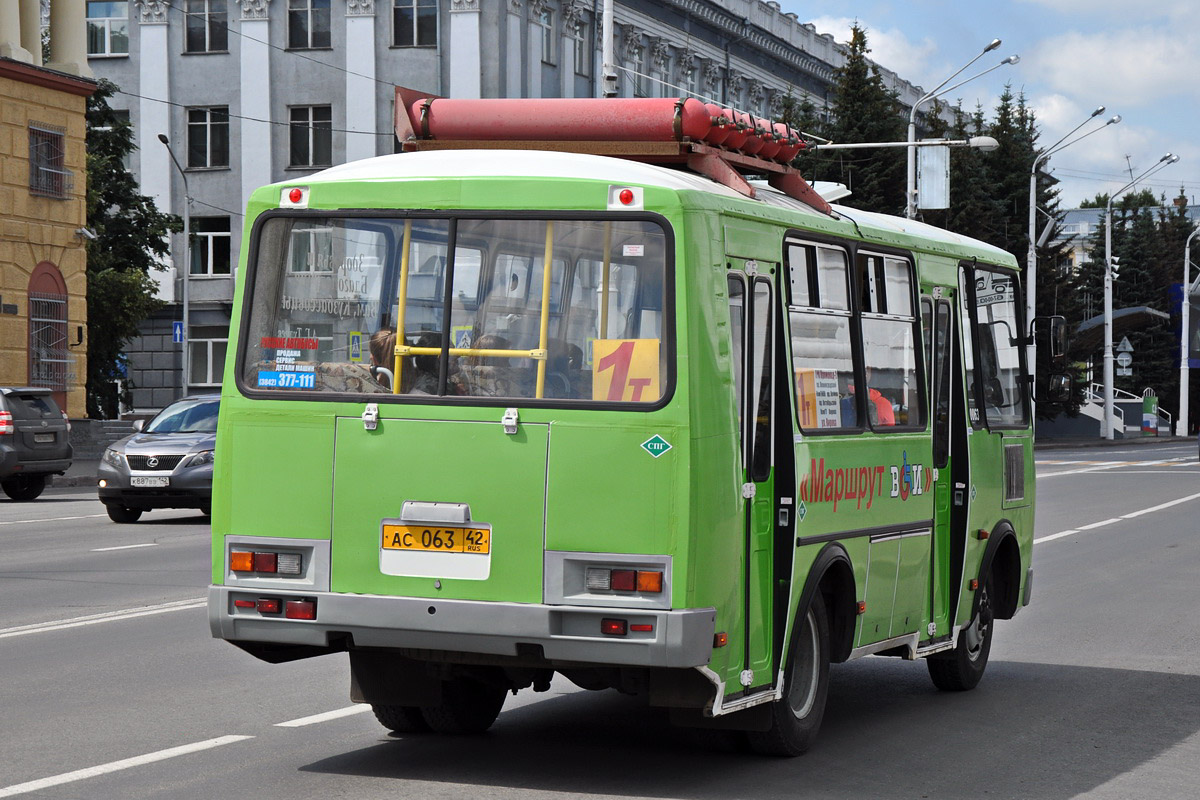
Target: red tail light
[[301, 609], [6, 422], [614, 627]]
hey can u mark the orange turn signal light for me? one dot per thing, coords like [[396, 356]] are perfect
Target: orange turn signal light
[[241, 562], [720, 639], [862, 606], [974, 584], [649, 581]]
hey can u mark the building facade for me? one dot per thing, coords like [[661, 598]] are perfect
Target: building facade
[[249, 92], [43, 163]]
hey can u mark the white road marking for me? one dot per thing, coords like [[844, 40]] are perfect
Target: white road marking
[[94, 619], [1130, 515], [125, 547], [117, 766], [1097, 466], [328, 715], [50, 519]]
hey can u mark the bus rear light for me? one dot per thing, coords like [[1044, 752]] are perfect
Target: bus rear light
[[268, 605], [241, 562], [614, 627], [264, 562], [642, 627], [287, 564], [243, 604], [650, 582], [624, 580], [300, 609], [597, 578]]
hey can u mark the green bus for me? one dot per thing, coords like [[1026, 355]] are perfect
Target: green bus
[[629, 425]]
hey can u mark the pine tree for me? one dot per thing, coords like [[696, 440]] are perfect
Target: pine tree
[[864, 110], [131, 240]]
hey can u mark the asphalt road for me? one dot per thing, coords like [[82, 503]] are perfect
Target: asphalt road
[[112, 687]]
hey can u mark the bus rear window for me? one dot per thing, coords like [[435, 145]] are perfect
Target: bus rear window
[[459, 307]]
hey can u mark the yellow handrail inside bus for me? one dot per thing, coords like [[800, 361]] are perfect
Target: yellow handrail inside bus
[[547, 261], [402, 302], [604, 284]]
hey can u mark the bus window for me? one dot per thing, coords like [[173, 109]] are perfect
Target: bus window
[[599, 337], [998, 330], [889, 342], [822, 354]]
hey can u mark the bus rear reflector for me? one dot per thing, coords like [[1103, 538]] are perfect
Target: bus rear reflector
[[613, 627], [243, 604], [642, 628], [301, 609]]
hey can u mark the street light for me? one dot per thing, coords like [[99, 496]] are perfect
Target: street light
[[1106, 426], [910, 204], [1183, 335], [984, 143], [1031, 257], [187, 259]]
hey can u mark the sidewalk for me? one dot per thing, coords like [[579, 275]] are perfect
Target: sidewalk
[[81, 473]]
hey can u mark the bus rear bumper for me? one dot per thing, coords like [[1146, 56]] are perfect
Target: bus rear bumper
[[653, 638]]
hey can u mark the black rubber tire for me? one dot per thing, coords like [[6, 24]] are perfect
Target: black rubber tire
[[962, 668], [24, 488], [122, 514], [796, 719], [400, 719], [467, 706]]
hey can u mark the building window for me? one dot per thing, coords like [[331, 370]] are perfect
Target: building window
[[208, 137], [207, 24], [210, 245], [48, 173], [107, 29], [582, 37], [311, 136], [308, 24], [206, 361], [545, 21], [414, 23]]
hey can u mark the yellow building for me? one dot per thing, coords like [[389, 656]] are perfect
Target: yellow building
[[43, 280]]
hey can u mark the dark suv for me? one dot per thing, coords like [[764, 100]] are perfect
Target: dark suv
[[33, 441]]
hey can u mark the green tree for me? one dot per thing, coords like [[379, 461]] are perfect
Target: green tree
[[131, 240], [864, 110]]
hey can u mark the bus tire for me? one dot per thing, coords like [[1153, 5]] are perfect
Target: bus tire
[[962, 668], [400, 719], [796, 718], [468, 706]]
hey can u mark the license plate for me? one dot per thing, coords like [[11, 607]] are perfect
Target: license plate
[[43, 437], [154, 482], [437, 539]]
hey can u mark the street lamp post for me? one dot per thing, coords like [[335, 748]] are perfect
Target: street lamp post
[[187, 262], [1183, 335], [1106, 426], [910, 200], [1031, 256]]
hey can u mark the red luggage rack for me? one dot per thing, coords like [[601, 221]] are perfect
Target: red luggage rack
[[719, 143]]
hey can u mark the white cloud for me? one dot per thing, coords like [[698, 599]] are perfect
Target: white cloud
[[889, 48], [1130, 67]]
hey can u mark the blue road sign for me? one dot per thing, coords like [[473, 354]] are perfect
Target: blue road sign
[[177, 332]]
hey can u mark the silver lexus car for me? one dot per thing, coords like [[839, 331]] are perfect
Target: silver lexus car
[[168, 463]]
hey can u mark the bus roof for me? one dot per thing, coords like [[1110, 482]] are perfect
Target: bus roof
[[524, 163]]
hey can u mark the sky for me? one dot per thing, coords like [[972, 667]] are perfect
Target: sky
[[1139, 61]]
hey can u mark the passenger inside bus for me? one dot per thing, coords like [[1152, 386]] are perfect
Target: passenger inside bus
[[425, 367], [879, 408], [382, 345]]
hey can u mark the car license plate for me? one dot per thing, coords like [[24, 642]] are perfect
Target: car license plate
[[150, 482], [437, 539], [43, 437]]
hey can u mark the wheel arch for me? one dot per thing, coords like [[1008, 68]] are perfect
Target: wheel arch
[[1003, 557], [832, 575]]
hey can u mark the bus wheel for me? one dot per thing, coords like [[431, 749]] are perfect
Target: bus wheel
[[796, 718], [468, 706], [400, 719], [962, 668]]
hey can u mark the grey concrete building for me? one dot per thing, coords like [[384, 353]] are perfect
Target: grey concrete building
[[254, 91]]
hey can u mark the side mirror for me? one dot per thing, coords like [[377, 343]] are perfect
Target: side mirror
[[1055, 389], [1051, 332], [138, 425]]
